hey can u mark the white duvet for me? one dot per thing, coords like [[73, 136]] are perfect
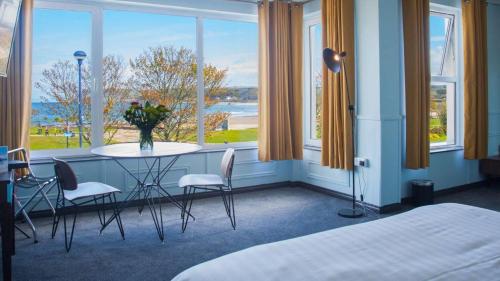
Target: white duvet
[[439, 242]]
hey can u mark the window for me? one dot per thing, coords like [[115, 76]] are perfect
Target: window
[[231, 75], [54, 117], [313, 49], [136, 53], [149, 57], [443, 56]]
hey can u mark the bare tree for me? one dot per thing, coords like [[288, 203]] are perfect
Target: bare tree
[[116, 94], [167, 75], [59, 85]]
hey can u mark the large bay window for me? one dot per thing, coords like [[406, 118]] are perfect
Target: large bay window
[[313, 49], [57, 34], [444, 77], [136, 53], [230, 58]]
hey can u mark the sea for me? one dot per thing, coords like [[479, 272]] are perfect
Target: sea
[[44, 116]]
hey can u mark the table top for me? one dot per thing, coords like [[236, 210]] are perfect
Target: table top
[[132, 150]]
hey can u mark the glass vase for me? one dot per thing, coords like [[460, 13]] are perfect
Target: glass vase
[[146, 139]]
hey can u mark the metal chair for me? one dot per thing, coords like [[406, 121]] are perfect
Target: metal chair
[[211, 182], [71, 191], [41, 186]]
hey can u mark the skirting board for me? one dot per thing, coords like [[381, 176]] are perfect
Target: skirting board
[[379, 209]]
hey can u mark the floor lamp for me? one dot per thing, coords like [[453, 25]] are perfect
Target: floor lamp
[[335, 62]]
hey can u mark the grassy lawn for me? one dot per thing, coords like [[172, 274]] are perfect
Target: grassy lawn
[[232, 136], [38, 142], [436, 123], [52, 141]]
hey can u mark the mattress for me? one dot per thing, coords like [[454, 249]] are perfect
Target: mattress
[[438, 242]]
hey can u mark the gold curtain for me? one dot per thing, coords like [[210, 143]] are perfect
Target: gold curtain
[[417, 82], [15, 90], [280, 81], [338, 34], [475, 79]]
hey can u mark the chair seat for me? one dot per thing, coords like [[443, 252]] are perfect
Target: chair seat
[[87, 189], [200, 180]]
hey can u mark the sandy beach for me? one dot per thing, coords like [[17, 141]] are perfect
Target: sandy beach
[[234, 122], [242, 122]]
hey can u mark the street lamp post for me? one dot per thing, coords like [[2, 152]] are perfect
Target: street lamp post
[[80, 56]]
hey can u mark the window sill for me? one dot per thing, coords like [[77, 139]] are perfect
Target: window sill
[[80, 155], [312, 147], [445, 148]]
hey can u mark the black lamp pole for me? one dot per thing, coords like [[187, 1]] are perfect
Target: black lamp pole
[[335, 62]]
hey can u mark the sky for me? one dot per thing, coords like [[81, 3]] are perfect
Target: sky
[[438, 26], [227, 44]]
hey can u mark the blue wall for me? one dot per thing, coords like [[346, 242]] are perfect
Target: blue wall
[[380, 101], [380, 121]]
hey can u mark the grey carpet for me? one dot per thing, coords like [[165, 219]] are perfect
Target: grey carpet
[[262, 217]]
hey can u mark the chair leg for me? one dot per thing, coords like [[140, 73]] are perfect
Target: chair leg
[[96, 204], [27, 218], [225, 201], [57, 214], [231, 202], [187, 210], [67, 243], [117, 215], [229, 205]]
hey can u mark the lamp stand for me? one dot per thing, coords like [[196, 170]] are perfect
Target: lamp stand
[[354, 212]]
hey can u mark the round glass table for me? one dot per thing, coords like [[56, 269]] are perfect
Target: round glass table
[[151, 181]]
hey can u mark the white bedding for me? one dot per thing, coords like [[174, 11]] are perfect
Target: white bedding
[[439, 242]]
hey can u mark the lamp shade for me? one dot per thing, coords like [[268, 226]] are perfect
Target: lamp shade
[[333, 59], [80, 55]]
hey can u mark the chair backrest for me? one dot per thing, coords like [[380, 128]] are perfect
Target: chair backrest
[[65, 176], [227, 163]]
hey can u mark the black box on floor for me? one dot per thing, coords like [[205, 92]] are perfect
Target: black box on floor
[[422, 192]]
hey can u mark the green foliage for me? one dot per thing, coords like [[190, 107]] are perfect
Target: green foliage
[[147, 116]]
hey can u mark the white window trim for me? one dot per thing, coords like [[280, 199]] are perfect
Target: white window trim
[[458, 80], [309, 21], [96, 9]]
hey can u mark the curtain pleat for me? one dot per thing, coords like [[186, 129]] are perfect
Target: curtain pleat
[[15, 89], [475, 79], [417, 82], [338, 34], [280, 81]]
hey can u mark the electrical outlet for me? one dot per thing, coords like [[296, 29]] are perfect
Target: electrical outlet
[[360, 162]]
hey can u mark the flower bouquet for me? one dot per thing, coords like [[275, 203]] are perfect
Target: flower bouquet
[[146, 118]]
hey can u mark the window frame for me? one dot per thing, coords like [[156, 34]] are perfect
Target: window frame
[[96, 10], [310, 20], [455, 138]]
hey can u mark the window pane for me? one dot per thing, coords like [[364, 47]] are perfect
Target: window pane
[[230, 56], [149, 57], [57, 34], [441, 114], [316, 60], [442, 50]]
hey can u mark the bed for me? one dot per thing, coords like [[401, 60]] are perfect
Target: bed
[[438, 242]]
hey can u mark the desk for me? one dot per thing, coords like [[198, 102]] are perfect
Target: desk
[[154, 174], [7, 213]]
